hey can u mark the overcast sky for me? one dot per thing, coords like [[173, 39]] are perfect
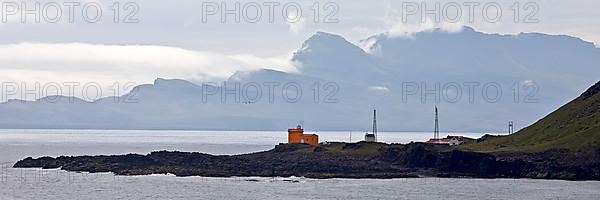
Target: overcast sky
[[176, 39]]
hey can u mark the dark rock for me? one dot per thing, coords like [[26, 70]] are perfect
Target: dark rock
[[340, 160], [595, 89]]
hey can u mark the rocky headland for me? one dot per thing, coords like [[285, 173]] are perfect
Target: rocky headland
[[339, 160]]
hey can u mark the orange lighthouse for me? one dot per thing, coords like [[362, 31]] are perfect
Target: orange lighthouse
[[297, 136]]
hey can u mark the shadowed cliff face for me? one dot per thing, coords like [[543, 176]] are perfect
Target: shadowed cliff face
[[342, 160], [590, 92]]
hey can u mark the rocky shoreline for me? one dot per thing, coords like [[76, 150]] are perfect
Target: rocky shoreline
[[340, 160]]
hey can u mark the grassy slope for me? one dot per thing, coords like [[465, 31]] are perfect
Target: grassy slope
[[574, 126], [362, 149], [350, 149]]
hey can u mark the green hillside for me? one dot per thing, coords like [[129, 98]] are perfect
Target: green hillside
[[574, 126]]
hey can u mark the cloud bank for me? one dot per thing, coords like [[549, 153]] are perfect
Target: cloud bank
[[107, 64], [139, 59]]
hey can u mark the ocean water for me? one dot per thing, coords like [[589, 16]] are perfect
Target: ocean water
[[58, 184]]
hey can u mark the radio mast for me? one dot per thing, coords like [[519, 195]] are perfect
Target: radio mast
[[436, 129], [375, 123]]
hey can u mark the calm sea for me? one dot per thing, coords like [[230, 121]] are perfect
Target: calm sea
[[58, 184]]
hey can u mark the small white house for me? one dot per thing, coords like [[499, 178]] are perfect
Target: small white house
[[370, 137], [450, 140], [454, 141]]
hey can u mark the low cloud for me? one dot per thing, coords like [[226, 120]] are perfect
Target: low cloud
[[379, 88], [296, 26], [398, 25], [107, 64], [408, 29]]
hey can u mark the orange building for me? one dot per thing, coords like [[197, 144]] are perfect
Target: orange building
[[297, 136]]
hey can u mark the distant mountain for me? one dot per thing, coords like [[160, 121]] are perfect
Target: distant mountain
[[340, 83], [332, 57], [556, 61], [574, 126]]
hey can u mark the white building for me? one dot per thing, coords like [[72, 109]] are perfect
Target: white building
[[370, 137], [454, 141]]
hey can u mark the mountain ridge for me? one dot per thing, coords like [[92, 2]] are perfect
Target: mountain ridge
[[560, 69]]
